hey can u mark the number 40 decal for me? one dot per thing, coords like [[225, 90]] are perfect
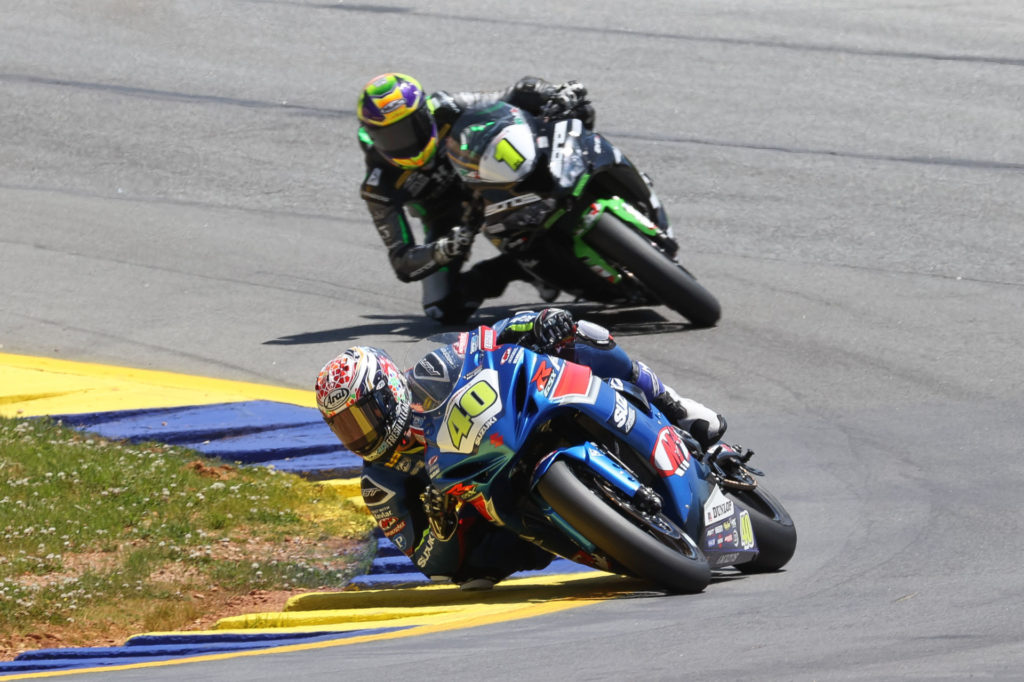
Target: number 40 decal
[[470, 412]]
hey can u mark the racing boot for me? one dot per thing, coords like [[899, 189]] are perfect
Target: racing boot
[[703, 423], [547, 293]]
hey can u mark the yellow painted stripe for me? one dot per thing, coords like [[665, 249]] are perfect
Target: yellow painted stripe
[[515, 599], [34, 386]]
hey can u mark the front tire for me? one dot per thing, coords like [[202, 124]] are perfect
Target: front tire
[[666, 279], [649, 546]]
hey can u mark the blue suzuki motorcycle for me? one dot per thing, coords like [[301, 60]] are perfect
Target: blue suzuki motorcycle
[[588, 469]]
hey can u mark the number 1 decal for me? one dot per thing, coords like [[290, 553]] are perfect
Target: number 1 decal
[[506, 153]]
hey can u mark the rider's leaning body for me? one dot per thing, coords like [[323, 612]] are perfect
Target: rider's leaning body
[[459, 544]]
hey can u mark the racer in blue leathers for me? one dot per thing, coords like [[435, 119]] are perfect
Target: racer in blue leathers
[[369, 405]]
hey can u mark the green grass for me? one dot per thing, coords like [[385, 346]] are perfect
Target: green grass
[[92, 529]]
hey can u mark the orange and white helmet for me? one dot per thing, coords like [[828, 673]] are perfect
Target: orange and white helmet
[[365, 399]]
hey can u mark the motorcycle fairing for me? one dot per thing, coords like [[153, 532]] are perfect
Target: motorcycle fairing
[[622, 210], [495, 409], [728, 535]]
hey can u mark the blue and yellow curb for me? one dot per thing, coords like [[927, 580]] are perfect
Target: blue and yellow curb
[[264, 425]]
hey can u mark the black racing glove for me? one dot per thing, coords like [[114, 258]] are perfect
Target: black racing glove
[[569, 100], [553, 330], [455, 244], [442, 512]]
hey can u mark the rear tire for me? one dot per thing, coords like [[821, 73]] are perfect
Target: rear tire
[[651, 547], [773, 529], [662, 276]]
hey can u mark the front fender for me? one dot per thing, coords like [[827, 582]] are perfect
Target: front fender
[[593, 458]]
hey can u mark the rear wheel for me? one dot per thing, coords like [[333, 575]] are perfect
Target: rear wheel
[[662, 276], [650, 546], [773, 529]]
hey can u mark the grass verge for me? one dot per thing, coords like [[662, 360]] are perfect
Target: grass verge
[[99, 537]]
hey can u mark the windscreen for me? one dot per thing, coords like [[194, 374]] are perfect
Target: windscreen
[[433, 376]]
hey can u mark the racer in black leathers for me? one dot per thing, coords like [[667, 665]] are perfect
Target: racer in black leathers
[[446, 541], [434, 194]]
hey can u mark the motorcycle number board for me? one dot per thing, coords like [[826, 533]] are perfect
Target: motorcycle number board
[[470, 412]]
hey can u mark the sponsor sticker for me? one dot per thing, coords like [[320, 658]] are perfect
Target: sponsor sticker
[[374, 493], [670, 456], [746, 531], [717, 508], [623, 416]]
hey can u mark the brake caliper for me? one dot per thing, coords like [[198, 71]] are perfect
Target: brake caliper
[[730, 466], [646, 500]]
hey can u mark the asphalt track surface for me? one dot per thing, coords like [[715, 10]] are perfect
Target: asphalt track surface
[[177, 192]]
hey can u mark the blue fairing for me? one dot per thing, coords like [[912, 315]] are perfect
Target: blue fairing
[[487, 441]]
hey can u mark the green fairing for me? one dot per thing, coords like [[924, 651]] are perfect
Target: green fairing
[[627, 214], [592, 258], [621, 210]]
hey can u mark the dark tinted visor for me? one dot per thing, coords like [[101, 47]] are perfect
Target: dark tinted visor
[[405, 138], [361, 427]]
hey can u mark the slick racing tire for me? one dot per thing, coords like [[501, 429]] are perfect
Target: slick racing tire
[[773, 529], [649, 546], [666, 279]]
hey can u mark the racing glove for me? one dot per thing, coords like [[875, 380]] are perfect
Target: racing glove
[[442, 514], [553, 330], [455, 244], [569, 99]]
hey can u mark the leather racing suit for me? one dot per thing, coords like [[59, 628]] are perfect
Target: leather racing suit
[[435, 195], [465, 547]]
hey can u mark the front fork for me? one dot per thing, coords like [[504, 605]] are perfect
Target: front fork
[[593, 458]]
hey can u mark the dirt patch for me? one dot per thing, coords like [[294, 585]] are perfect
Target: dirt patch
[[200, 609], [214, 603], [221, 472]]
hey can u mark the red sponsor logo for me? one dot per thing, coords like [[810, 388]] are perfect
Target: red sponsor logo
[[481, 506], [486, 338], [573, 380], [542, 375], [394, 530], [670, 456], [461, 490]]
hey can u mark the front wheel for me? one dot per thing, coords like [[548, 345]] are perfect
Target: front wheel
[[662, 276], [649, 546]]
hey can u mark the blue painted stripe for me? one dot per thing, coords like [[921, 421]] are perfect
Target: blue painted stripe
[[168, 647], [209, 645], [405, 574], [289, 437], [270, 637], [340, 464], [387, 548]]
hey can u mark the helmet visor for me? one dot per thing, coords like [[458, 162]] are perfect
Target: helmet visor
[[361, 427], [407, 137]]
